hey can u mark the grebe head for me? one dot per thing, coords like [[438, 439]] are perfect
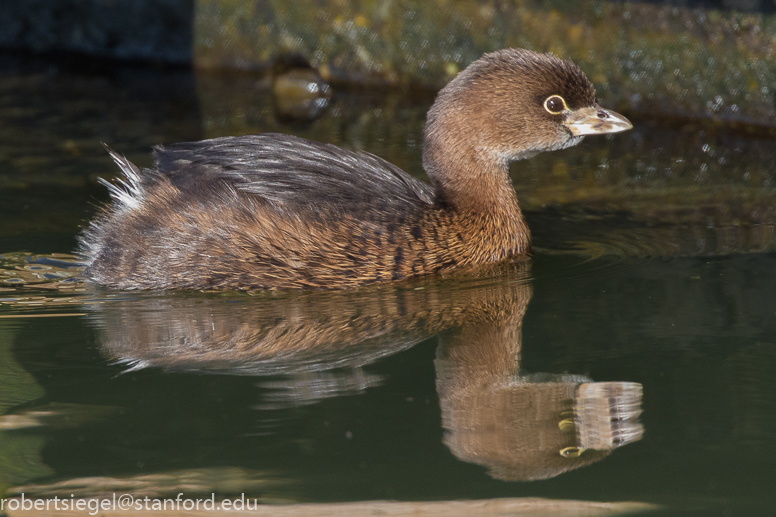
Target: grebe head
[[506, 106]]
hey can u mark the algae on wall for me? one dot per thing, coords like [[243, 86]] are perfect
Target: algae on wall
[[674, 60]]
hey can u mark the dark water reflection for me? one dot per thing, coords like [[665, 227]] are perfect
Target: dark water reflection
[[521, 426], [654, 272]]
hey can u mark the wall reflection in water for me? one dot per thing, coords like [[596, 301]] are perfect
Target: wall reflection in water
[[521, 426]]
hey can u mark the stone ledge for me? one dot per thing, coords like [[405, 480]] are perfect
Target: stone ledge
[[649, 57]]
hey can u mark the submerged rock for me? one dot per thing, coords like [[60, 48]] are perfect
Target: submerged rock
[[299, 93]]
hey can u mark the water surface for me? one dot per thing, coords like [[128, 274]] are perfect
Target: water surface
[[632, 359]]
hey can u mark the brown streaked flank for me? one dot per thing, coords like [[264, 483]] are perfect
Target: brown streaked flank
[[274, 211]]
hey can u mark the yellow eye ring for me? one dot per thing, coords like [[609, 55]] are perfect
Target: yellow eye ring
[[555, 104]]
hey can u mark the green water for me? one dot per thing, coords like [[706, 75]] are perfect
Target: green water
[[653, 282]]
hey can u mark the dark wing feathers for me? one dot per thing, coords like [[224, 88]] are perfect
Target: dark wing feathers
[[288, 169]]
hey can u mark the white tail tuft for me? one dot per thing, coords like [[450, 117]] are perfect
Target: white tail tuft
[[128, 191]]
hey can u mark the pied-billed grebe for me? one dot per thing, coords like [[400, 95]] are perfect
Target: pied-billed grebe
[[278, 212]]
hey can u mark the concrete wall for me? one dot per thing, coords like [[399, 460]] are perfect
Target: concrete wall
[[673, 59]]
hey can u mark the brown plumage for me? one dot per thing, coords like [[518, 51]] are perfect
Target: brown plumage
[[279, 212]]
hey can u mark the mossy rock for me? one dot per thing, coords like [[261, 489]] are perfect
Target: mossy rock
[[646, 57]]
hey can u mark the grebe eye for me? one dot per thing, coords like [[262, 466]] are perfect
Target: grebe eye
[[555, 104]]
